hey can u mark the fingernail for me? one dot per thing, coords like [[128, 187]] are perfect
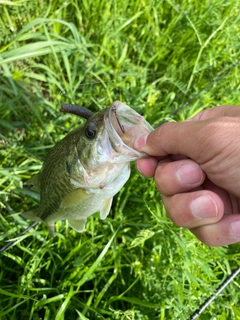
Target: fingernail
[[235, 228], [141, 142], [204, 207], [189, 174]]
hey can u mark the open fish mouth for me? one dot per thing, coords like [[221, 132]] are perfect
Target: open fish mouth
[[124, 126]]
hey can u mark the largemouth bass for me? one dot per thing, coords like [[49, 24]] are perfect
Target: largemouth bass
[[84, 170]]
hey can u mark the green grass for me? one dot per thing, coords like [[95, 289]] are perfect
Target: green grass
[[154, 56]]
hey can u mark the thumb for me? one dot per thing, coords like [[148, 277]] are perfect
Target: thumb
[[198, 138], [189, 138]]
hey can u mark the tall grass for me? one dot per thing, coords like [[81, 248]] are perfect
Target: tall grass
[[154, 56]]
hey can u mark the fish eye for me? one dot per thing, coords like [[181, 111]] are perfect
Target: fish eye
[[91, 131]]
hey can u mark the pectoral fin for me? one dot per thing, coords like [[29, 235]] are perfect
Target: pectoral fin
[[74, 198], [105, 209], [78, 225], [31, 215]]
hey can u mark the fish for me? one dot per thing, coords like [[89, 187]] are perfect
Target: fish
[[83, 171]]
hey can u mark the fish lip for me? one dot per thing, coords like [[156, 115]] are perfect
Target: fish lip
[[116, 141]]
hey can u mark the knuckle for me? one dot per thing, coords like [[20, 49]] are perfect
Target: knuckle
[[159, 177], [174, 211], [206, 235]]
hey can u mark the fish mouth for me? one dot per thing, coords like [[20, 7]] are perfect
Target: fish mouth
[[124, 126]]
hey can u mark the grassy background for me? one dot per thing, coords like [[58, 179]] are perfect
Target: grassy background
[[153, 55]]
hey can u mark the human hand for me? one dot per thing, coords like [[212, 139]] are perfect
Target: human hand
[[199, 172]]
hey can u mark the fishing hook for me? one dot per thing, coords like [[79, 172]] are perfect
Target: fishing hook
[[120, 125]]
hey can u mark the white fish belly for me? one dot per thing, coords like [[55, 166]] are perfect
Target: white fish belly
[[93, 202]]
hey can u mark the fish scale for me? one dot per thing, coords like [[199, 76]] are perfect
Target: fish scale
[[55, 168]]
